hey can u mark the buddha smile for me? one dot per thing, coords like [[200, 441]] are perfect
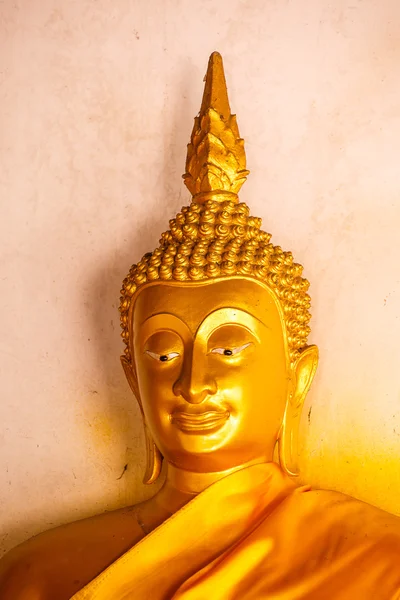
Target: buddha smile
[[200, 422]]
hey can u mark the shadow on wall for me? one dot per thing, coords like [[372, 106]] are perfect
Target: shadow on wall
[[112, 412], [166, 198]]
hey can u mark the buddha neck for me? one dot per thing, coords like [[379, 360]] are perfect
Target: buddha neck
[[181, 486]]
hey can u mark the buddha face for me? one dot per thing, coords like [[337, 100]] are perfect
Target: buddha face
[[212, 371]]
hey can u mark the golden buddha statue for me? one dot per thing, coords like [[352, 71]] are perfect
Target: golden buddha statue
[[215, 324]]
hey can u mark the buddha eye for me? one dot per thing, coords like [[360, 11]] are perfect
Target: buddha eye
[[163, 357], [229, 351]]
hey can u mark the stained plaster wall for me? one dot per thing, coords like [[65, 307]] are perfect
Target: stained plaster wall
[[97, 102]]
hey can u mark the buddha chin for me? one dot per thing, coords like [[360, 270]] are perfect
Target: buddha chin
[[215, 323]]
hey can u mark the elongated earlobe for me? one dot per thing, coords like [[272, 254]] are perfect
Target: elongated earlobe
[[287, 449], [153, 459], [303, 372]]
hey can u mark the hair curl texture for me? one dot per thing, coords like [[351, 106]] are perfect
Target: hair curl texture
[[219, 239]]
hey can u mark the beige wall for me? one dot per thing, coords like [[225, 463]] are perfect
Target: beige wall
[[97, 102]]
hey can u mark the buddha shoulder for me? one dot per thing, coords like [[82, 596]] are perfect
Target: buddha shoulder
[[61, 561], [347, 518]]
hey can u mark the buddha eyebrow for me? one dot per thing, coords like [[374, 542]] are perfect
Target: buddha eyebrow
[[159, 314], [230, 323], [148, 322], [240, 311]]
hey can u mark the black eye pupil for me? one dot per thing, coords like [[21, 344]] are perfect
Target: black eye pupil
[[228, 352], [163, 358]]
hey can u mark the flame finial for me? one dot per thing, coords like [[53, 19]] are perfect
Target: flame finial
[[216, 160]]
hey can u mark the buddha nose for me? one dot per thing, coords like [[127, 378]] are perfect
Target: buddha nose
[[194, 383]]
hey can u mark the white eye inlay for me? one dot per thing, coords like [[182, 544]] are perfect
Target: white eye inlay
[[163, 357], [230, 351]]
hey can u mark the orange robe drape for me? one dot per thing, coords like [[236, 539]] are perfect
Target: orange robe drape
[[253, 535]]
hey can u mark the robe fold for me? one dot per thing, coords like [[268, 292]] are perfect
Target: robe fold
[[254, 535]]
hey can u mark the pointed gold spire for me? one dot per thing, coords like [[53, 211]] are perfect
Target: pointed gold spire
[[216, 160], [215, 93]]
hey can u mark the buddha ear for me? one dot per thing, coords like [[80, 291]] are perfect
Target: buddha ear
[[303, 372], [131, 376], [153, 455]]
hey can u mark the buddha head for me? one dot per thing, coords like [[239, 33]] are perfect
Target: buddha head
[[215, 320]]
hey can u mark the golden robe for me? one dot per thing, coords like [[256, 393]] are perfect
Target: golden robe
[[254, 535]]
